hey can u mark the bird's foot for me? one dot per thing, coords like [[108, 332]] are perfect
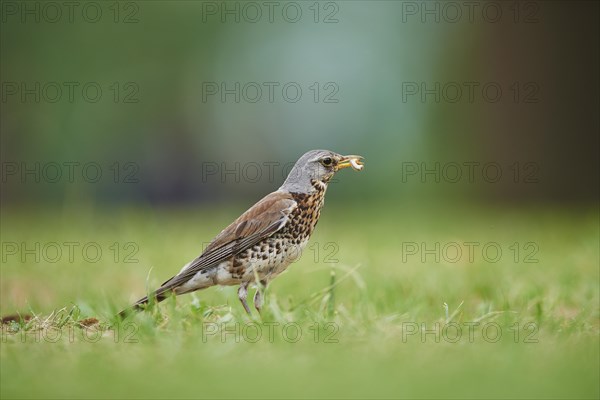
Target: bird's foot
[[242, 295], [259, 296]]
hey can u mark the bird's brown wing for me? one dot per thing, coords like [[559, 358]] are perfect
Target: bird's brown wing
[[259, 222]]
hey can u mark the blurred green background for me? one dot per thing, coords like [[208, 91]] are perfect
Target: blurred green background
[[373, 53], [478, 121]]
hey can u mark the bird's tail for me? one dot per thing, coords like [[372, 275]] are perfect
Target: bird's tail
[[138, 305]]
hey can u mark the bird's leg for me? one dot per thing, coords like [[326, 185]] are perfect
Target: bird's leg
[[243, 294], [259, 295]]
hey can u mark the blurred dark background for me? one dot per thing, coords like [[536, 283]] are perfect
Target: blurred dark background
[[159, 135]]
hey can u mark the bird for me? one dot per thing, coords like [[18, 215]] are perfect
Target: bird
[[264, 240]]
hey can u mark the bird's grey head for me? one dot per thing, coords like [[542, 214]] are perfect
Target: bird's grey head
[[315, 168]]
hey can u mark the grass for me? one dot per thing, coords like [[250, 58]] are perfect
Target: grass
[[373, 325]]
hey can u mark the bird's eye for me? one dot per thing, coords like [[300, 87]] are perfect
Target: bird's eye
[[327, 161]]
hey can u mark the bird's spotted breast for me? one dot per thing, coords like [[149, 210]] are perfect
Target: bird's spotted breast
[[271, 256]]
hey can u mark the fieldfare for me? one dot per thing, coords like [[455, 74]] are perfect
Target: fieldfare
[[264, 240]]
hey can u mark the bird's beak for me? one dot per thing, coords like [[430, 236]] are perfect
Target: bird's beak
[[356, 162]]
